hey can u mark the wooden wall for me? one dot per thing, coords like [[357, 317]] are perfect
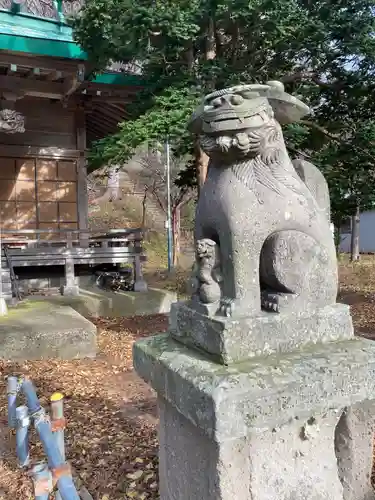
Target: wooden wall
[[48, 124], [38, 193], [39, 190]]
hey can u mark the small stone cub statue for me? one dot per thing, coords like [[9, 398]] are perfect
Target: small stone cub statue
[[207, 272]]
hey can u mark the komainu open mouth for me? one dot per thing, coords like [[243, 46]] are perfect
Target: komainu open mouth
[[232, 122]]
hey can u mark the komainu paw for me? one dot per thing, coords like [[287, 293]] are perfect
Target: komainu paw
[[227, 307]]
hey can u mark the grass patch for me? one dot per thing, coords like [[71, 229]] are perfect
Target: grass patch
[[23, 308], [117, 214], [155, 246]]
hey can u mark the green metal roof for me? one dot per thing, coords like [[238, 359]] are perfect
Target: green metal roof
[[20, 32], [36, 35], [118, 79]]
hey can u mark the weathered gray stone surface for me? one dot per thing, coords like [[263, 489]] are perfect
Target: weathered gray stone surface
[[71, 290], [277, 464], [275, 243], [229, 402], [270, 428], [274, 400], [41, 330], [354, 450], [314, 180], [233, 340], [208, 276], [93, 301]]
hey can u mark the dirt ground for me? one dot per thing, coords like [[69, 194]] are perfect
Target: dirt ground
[[111, 435], [112, 418]]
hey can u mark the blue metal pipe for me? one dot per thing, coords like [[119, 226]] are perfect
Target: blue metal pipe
[[42, 479], [57, 464], [12, 390], [22, 435], [31, 396]]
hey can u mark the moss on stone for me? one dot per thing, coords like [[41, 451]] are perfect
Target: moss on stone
[[24, 307]]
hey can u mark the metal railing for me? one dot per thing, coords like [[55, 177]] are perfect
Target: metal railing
[[55, 472], [36, 238]]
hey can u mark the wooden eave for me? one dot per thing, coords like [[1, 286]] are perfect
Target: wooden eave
[[39, 58], [63, 80], [36, 76], [103, 119]]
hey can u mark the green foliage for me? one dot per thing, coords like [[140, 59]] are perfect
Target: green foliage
[[349, 169], [166, 118], [324, 50]]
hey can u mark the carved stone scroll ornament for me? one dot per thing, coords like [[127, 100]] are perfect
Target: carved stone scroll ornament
[[269, 217], [11, 122], [208, 273]]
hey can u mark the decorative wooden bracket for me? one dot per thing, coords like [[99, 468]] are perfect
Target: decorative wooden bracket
[[73, 84]]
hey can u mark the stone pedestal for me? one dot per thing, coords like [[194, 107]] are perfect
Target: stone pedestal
[[140, 286], [3, 307], [230, 340], [288, 426], [71, 290]]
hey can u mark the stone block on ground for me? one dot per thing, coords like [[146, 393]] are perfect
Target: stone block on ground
[[95, 302], [3, 307], [40, 330], [72, 290]]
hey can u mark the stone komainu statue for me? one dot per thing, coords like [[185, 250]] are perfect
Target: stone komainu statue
[[269, 216]]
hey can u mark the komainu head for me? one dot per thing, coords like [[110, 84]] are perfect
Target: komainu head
[[242, 121]]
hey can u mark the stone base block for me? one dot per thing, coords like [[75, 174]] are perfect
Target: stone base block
[[273, 465], [72, 290], [140, 286], [230, 341], [285, 427], [3, 307], [42, 330]]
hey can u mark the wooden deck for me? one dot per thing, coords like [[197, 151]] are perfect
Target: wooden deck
[[29, 248]]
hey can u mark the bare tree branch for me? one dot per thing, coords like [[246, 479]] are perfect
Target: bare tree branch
[[336, 138]]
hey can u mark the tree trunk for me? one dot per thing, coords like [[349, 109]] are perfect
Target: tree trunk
[[190, 56], [114, 191], [210, 52], [201, 159], [337, 234], [235, 41], [354, 250], [201, 165], [176, 233], [144, 202]]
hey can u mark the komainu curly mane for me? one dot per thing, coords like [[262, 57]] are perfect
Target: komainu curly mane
[[261, 156]]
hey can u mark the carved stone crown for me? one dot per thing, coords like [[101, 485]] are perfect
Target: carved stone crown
[[246, 106]]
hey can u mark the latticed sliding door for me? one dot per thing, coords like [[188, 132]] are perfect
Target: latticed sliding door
[[17, 194], [56, 194], [38, 194]]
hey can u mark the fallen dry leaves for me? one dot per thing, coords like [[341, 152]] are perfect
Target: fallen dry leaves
[[111, 437], [357, 288]]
